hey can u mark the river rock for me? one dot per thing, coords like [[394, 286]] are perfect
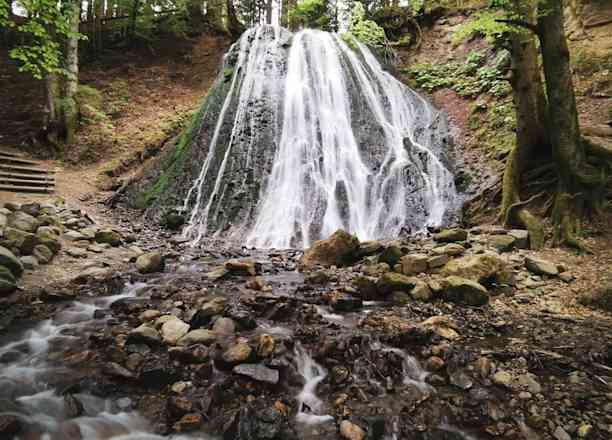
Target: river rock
[[257, 372], [450, 249], [541, 267], [191, 354], [115, 370], [451, 235], [437, 261], [150, 263], [391, 255], [561, 434], [344, 302], [366, 287], [189, 422], [224, 326], [144, 334], [43, 254], [351, 431], [202, 317], [241, 267], [368, 248], [479, 268], [265, 345], [7, 287], [24, 241], [173, 330], [339, 249], [7, 275], [23, 221], [442, 325], [421, 291], [49, 238], [10, 425], [108, 236], [199, 336], [237, 353], [503, 378], [521, 237], [10, 261], [256, 283], [413, 264], [503, 243], [463, 291], [76, 252], [391, 282], [29, 262], [73, 236], [178, 406]]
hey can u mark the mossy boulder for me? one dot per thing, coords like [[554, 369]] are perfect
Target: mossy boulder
[[463, 291], [339, 249], [451, 235], [396, 282], [391, 255], [11, 262], [23, 221], [482, 268], [150, 263], [108, 236]]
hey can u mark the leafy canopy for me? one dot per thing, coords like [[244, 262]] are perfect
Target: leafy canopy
[[310, 14], [366, 31]]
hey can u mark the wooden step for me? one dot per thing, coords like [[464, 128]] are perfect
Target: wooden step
[[27, 181], [22, 168], [10, 153], [14, 159], [41, 177], [22, 188]]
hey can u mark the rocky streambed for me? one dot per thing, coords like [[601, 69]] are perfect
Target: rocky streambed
[[434, 338]]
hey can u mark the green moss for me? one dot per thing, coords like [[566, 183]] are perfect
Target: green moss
[[228, 72]]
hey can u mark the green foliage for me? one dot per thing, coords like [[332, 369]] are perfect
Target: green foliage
[[46, 26], [310, 14], [483, 23], [89, 105], [366, 31], [467, 79]]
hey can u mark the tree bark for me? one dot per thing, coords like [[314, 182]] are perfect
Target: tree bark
[[234, 26], [531, 139], [568, 151], [69, 111], [133, 17], [214, 15]]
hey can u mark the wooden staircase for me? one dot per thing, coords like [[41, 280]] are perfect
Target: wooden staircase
[[24, 175]]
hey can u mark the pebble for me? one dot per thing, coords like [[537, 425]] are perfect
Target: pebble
[[351, 431]]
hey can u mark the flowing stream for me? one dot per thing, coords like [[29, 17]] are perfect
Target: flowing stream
[[310, 136]]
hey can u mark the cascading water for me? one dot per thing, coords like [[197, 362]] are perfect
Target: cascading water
[[308, 403], [302, 135]]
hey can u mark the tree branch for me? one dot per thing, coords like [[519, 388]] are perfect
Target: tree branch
[[533, 28]]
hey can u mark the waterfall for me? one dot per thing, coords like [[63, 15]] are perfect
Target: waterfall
[[311, 136]]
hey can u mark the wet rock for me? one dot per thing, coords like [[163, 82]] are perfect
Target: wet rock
[[503, 243], [92, 274], [156, 373], [317, 277], [108, 236], [173, 330], [29, 262], [529, 381], [144, 334], [47, 236], [257, 372], [10, 425], [351, 431], [460, 379], [366, 287], [217, 274], [43, 254], [343, 302], [339, 249], [521, 237], [203, 316], [150, 263], [391, 282], [451, 235], [32, 208], [73, 236], [73, 407], [75, 252], [541, 267], [149, 315], [134, 361], [224, 326], [479, 268], [237, 353], [368, 248], [437, 261], [503, 378], [113, 369], [434, 363], [421, 291], [450, 249], [400, 298], [256, 283], [339, 374], [464, 291], [413, 264], [561, 434], [192, 354], [23, 221], [24, 241], [200, 336], [483, 367], [442, 325], [11, 262], [391, 255], [241, 267], [189, 422], [7, 286], [584, 430], [178, 406], [265, 345]]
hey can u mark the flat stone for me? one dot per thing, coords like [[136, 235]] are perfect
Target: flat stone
[[224, 326], [502, 243], [258, 372], [173, 330], [541, 267], [437, 261], [145, 334], [413, 264], [421, 291], [521, 237], [450, 249], [503, 378], [464, 291], [199, 336], [73, 236], [237, 353], [29, 262], [451, 235], [243, 267], [76, 252]]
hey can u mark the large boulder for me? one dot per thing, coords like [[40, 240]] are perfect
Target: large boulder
[[22, 240], [8, 284], [413, 264], [10, 261], [23, 221], [108, 236], [464, 291], [541, 267], [451, 235], [396, 282], [150, 263], [391, 255], [482, 268], [339, 249]]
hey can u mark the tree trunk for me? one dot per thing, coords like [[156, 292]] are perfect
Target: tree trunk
[[98, 12], [51, 121], [269, 11], [69, 111], [234, 26], [531, 138], [214, 15], [564, 131], [133, 17]]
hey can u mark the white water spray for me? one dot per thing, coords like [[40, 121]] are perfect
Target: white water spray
[[310, 406]]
